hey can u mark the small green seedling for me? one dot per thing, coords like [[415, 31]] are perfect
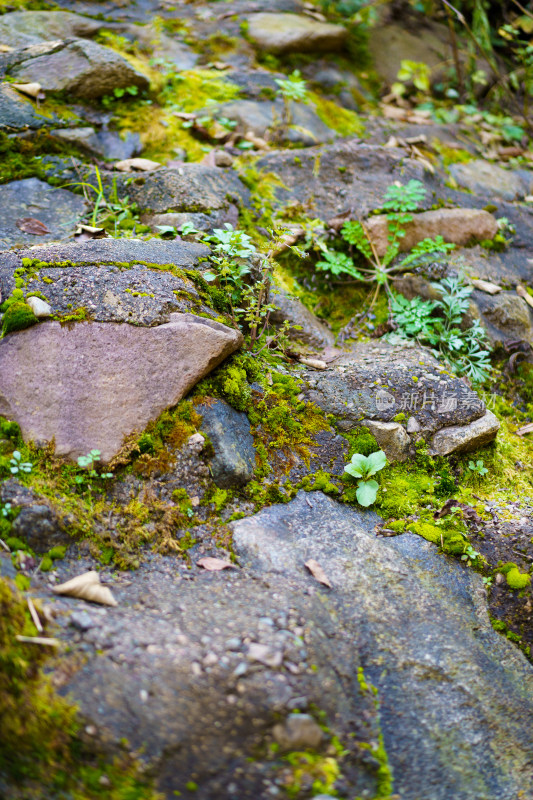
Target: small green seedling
[[364, 467], [6, 509], [478, 467], [88, 463], [487, 581], [17, 465], [469, 554]]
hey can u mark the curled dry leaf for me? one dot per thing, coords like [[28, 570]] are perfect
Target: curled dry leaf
[[87, 587], [33, 90], [32, 225], [318, 573], [85, 232], [316, 363], [214, 564], [525, 294], [139, 164], [486, 286]]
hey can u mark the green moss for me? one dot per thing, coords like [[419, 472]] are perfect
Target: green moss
[[57, 552], [339, 119], [46, 564], [18, 316], [451, 540], [43, 753], [319, 482], [515, 578], [361, 441], [404, 488]]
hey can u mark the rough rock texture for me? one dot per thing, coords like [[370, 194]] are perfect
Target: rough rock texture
[[58, 209], [79, 67], [37, 523], [109, 280], [82, 273], [377, 381], [491, 180], [294, 33], [391, 437], [16, 112], [505, 316], [456, 225], [23, 28], [229, 432], [105, 143], [463, 438], [316, 178], [192, 187], [305, 326], [261, 116], [236, 653], [420, 627], [65, 384]]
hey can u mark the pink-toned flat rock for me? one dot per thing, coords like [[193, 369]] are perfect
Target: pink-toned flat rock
[[90, 385], [456, 225]]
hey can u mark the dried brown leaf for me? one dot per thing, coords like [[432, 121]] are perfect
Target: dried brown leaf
[[214, 564], [316, 363], [87, 587], [33, 90], [318, 573], [138, 164], [486, 286], [85, 232], [525, 429], [32, 225]]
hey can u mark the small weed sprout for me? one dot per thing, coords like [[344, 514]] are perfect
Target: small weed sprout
[[478, 467], [17, 465], [88, 463], [6, 510], [290, 89], [470, 555], [363, 467]]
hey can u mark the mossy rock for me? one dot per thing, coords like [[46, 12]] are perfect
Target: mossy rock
[[18, 316]]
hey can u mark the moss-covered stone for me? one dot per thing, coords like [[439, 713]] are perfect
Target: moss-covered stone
[[18, 316]]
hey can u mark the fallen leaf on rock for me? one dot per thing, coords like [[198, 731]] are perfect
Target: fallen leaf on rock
[[220, 65], [139, 164], [468, 513], [33, 90], [486, 286], [525, 429], [5, 48], [85, 232], [214, 564], [525, 294], [87, 587], [316, 363], [318, 573], [32, 225]]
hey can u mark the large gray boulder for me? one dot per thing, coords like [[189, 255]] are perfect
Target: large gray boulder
[[491, 180], [203, 671], [294, 33], [79, 67], [191, 187], [92, 385], [343, 178], [376, 381], [418, 621], [58, 209], [112, 280], [23, 28]]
